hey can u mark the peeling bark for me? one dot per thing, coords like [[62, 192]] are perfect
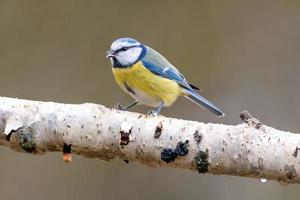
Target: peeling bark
[[250, 149]]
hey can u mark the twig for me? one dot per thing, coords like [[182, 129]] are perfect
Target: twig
[[248, 150]]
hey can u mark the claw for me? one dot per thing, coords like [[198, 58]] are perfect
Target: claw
[[155, 112], [152, 113], [124, 108], [119, 106]]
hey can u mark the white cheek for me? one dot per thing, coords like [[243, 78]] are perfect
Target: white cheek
[[130, 56]]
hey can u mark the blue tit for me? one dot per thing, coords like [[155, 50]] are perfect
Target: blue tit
[[150, 78]]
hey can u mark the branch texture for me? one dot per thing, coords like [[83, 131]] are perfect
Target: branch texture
[[249, 149]]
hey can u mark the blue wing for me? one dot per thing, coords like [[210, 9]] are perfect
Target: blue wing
[[159, 65]]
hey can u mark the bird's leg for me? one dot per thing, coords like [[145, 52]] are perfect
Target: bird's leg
[[120, 107], [156, 111]]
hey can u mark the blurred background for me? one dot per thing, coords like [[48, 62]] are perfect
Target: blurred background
[[243, 54]]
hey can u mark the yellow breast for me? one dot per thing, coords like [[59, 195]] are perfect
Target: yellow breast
[[145, 86]]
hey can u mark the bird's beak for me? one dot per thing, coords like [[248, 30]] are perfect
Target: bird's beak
[[110, 53]]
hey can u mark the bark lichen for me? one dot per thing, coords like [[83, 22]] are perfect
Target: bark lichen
[[182, 148], [201, 160], [26, 136], [168, 155], [158, 130]]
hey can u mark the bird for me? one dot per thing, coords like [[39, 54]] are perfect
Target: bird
[[150, 78]]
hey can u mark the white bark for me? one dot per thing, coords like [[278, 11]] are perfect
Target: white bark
[[96, 131]]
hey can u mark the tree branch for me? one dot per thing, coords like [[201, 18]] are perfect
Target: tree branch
[[249, 149]]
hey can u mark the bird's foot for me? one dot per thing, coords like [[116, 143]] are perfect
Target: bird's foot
[[155, 112], [152, 113], [119, 107]]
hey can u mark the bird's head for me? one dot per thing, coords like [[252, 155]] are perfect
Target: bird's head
[[125, 52]]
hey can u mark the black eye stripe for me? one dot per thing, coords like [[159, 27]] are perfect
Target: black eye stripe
[[125, 48]]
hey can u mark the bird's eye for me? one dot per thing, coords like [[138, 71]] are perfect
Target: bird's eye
[[124, 48]]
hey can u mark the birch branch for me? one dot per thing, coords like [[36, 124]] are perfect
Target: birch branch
[[249, 149]]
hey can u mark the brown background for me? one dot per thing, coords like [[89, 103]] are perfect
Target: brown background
[[244, 54]]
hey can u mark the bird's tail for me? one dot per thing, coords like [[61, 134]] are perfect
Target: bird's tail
[[199, 100]]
